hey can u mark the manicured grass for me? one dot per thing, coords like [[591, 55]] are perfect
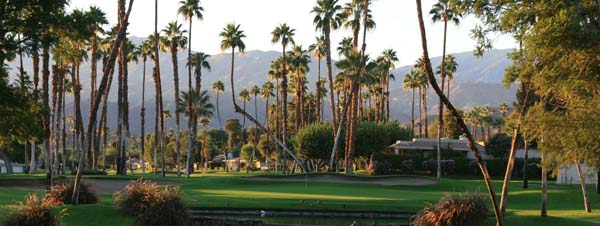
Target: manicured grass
[[231, 190]]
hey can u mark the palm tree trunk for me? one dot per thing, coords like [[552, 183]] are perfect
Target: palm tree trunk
[[318, 104], [332, 104], [525, 165], [412, 113], [267, 156], [46, 117], [176, 84], [424, 96], [586, 201], [544, 211], [420, 113], [192, 124], [284, 85], [64, 124], [143, 119], [457, 116]]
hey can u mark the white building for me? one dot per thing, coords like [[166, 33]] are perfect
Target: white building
[[429, 147], [568, 175], [16, 167]]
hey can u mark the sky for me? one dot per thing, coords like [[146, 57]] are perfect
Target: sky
[[397, 25]]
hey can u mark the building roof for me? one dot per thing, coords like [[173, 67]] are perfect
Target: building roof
[[431, 144]]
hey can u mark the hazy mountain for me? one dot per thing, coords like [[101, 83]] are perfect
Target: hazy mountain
[[477, 82]]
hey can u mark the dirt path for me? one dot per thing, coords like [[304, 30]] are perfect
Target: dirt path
[[102, 186], [385, 180]]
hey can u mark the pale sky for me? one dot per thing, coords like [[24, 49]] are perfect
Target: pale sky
[[397, 25]]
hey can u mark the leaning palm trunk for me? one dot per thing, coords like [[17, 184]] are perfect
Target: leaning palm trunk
[[586, 201], [458, 117], [238, 109], [94, 111]]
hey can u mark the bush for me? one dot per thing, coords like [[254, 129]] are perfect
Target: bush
[[448, 166], [165, 208], [63, 193], [469, 209], [33, 213], [153, 206]]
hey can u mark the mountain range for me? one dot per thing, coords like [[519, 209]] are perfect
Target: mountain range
[[478, 81]]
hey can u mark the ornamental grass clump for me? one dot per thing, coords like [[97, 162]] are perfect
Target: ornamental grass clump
[[34, 213], [62, 194], [152, 205], [468, 209]]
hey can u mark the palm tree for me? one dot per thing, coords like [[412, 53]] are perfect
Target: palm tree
[[444, 11], [390, 57], [504, 108], [299, 60], [189, 9], [450, 67], [159, 99], [255, 91], [285, 35], [175, 40], [328, 18], [218, 88], [232, 38], [422, 78], [244, 96], [456, 115], [318, 49], [202, 107], [197, 61], [411, 82], [352, 13], [266, 92], [146, 50], [97, 18]]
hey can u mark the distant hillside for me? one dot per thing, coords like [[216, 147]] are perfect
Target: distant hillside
[[477, 82]]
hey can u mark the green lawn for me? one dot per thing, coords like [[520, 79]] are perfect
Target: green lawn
[[230, 190]]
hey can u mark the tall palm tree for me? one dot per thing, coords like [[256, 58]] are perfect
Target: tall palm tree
[[504, 108], [96, 19], [450, 67], [244, 96], [457, 116], [190, 9], [319, 51], [328, 18], [218, 88], [422, 78], [174, 38], [255, 91], [299, 60], [231, 39], [352, 14], [159, 99], [389, 57], [145, 50], [197, 61], [411, 82], [284, 34], [202, 107]]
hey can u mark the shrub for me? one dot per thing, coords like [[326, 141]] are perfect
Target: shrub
[[63, 193], [469, 209], [33, 213], [151, 205], [165, 208], [135, 197]]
